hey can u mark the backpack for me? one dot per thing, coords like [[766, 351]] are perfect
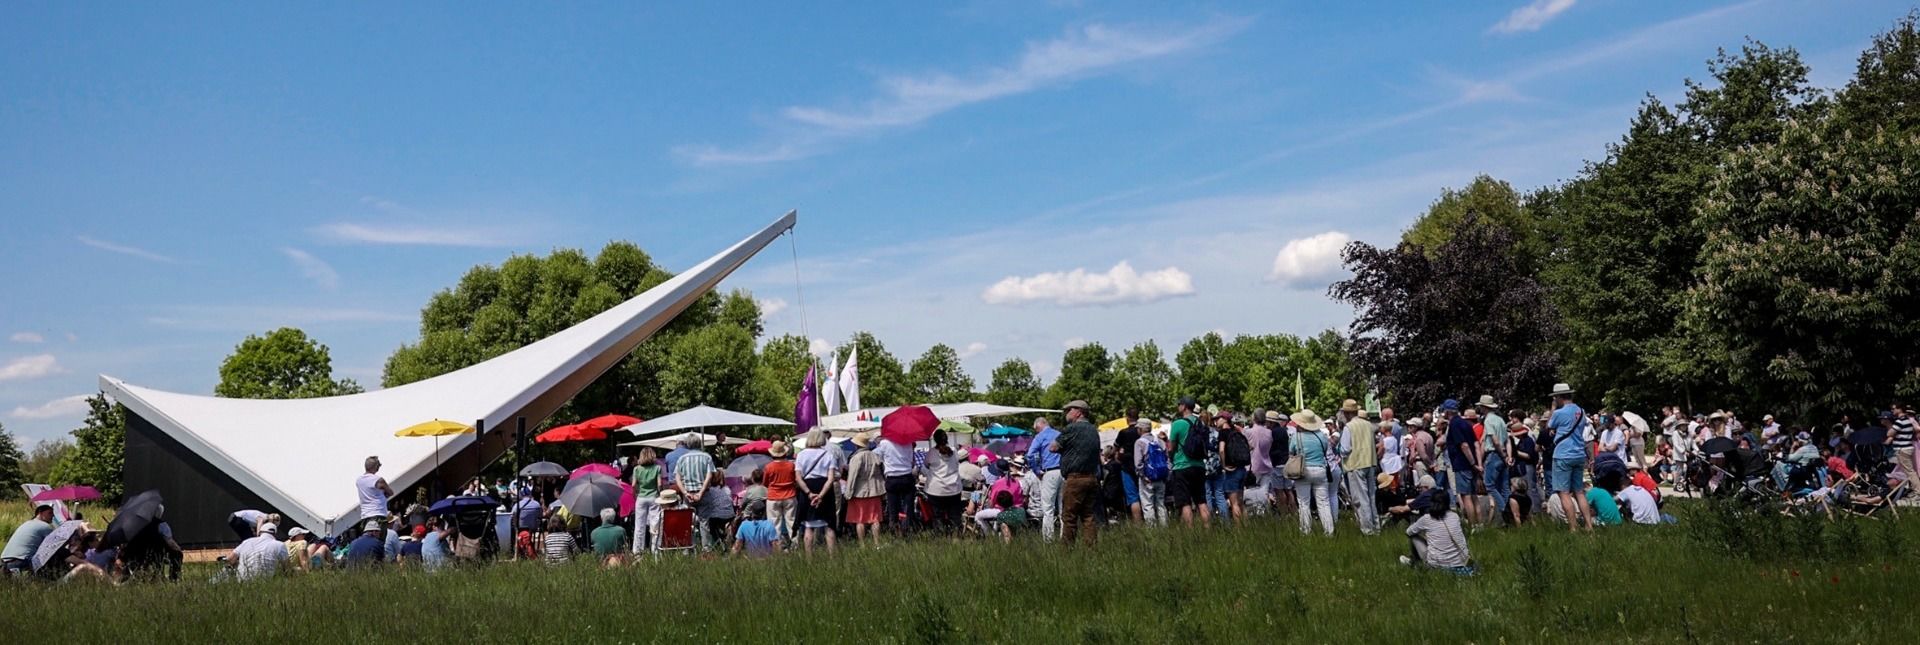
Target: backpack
[[1155, 467], [1239, 453], [1279, 451], [1194, 446]]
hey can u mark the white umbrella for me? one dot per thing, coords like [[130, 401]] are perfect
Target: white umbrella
[[700, 417], [1637, 422], [673, 441], [55, 541]]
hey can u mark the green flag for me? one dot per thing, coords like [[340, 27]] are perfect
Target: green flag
[[1299, 397]]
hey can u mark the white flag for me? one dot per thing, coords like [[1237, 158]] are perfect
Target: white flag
[[850, 379], [832, 385]]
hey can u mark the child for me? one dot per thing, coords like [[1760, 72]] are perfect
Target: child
[[756, 535], [1011, 518]]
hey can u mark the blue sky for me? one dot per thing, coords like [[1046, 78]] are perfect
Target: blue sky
[[1010, 178]]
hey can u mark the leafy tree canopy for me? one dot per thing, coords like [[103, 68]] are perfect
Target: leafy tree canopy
[[283, 364]]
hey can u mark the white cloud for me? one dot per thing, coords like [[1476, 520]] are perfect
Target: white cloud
[[1309, 261], [906, 100], [66, 406], [313, 268], [820, 347], [254, 318], [973, 349], [1531, 17], [1071, 343], [771, 306], [1078, 288], [27, 337], [72, 337], [125, 250], [414, 235], [27, 367]]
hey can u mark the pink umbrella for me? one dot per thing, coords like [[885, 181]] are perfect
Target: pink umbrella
[[590, 469], [754, 448], [626, 499], [908, 425], [975, 452], [73, 493]]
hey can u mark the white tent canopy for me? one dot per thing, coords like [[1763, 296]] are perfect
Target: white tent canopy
[[673, 441], [700, 416], [301, 455], [852, 420]]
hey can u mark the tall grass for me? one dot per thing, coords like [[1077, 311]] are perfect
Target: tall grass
[[1264, 582]]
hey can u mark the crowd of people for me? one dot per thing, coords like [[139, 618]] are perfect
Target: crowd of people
[[1441, 474]]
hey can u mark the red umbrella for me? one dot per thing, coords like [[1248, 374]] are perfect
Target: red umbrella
[[73, 493], [908, 425], [590, 469], [760, 447], [574, 432], [608, 423]]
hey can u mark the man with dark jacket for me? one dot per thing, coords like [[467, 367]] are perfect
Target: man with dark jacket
[[1079, 448]]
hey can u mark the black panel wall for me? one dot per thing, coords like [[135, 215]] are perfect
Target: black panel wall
[[199, 497]]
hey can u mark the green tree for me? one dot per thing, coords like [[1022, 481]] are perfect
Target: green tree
[[937, 377], [882, 381], [1086, 373], [1014, 384], [1142, 379], [283, 364], [1493, 203], [44, 457], [777, 377], [713, 365], [1885, 89], [98, 457], [1201, 374], [13, 465]]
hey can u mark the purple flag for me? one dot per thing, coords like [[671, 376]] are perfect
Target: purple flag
[[806, 411]]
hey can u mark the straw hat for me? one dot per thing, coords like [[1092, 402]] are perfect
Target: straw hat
[[863, 439], [1350, 405], [1486, 401], [1307, 420], [1274, 416], [669, 497], [779, 449]]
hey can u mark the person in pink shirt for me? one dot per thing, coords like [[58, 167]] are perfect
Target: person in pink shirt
[[1009, 481]]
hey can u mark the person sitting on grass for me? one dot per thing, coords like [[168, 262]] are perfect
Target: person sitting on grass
[[560, 546], [1436, 538], [1641, 506], [609, 539], [436, 549], [410, 554], [1405, 511], [1602, 508], [261, 556], [756, 535], [69, 561], [1012, 519], [26, 540], [370, 549]]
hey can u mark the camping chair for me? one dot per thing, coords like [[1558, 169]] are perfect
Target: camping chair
[[1869, 504], [676, 531]]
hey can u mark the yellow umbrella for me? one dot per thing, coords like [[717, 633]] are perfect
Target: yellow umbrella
[[436, 429], [1116, 424]]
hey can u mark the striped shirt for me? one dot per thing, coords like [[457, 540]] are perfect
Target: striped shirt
[[1903, 433], [560, 548]]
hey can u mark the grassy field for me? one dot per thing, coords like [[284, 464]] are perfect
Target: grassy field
[[1774, 581]]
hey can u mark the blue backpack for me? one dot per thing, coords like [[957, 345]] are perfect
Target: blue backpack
[[1155, 468]]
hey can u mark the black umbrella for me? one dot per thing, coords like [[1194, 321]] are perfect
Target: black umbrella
[[544, 469], [1719, 446], [588, 494], [463, 503], [135, 515]]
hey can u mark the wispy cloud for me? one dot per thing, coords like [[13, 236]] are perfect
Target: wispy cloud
[[66, 406], [820, 346], [414, 235], [973, 349], [313, 268], [29, 367], [258, 318], [1531, 17], [27, 337], [906, 100], [1309, 261], [1079, 288], [1073, 342], [125, 250], [771, 306]]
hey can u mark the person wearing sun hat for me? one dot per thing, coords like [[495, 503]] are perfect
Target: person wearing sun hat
[[1315, 449], [1497, 447], [1360, 457], [866, 489], [1567, 425]]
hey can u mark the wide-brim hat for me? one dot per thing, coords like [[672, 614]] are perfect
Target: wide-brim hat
[[779, 449], [1560, 389], [1275, 416], [1486, 401], [1418, 422], [863, 439], [1307, 420], [1349, 405], [669, 497], [1017, 461]]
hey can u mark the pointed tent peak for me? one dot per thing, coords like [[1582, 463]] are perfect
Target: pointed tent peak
[[701, 416]]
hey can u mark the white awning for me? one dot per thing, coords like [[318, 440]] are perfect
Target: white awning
[[853, 421], [302, 455], [673, 441], [700, 417]]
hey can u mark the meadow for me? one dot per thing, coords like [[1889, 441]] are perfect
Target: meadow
[[1720, 578]]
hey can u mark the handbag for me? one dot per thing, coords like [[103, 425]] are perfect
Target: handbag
[[1297, 464]]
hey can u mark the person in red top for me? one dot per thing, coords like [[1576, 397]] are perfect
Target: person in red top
[[1642, 479], [783, 490], [1836, 466]]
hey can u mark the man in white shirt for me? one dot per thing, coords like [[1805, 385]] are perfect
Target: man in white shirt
[[1638, 504], [260, 556]]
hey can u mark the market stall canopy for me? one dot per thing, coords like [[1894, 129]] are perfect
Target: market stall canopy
[[670, 442], [700, 416], [870, 418]]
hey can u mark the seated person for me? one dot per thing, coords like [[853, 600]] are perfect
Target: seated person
[[1403, 510], [1519, 504], [1012, 519], [609, 540], [1606, 512], [1638, 478], [1641, 506], [1436, 539], [69, 561], [756, 536]]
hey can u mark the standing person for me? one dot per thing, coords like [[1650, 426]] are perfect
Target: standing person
[[1569, 457], [866, 490], [1216, 494], [1282, 489], [1313, 445], [26, 539], [1523, 463], [1236, 456], [1393, 463], [1419, 448], [374, 493], [1259, 492], [1187, 490], [783, 489], [1463, 456], [900, 507], [1046, 464], [1078, 449], [1637, 445], [1495, 445], [1130, 471], [819, 476], [1360, 446], [646, 501], [1155, 465], [1391, 424], [1900, 440], [943, 484], [1614, 438], [691, 475]]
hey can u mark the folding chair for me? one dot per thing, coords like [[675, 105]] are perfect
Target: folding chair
[[676, 531]]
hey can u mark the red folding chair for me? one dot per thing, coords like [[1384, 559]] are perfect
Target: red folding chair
[[676, 530]]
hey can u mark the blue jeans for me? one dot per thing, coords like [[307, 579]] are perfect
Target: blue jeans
[[1217, 493], [1499, 488]]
